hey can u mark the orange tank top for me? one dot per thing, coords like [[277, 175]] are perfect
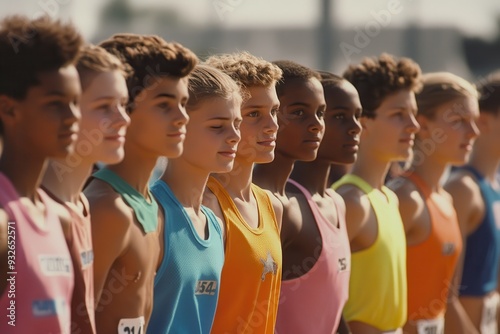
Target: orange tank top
[[431, 264], [251, 276]]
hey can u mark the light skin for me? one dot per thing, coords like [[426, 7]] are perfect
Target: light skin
[[386, 138], [302, 107], [338, 146], [467, 198], [447, 138], [211, 144], [42, 125], [259, 129], [126, 258]]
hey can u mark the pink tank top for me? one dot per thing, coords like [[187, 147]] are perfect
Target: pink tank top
[[82, 255], [313, 303], [37, 298]]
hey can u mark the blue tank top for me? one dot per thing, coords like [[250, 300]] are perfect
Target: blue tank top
[[186, 286], [482, 253]]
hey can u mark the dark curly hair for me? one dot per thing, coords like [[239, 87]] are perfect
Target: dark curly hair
[[28, 47], [149, 56], [376, 78], [292, 70]]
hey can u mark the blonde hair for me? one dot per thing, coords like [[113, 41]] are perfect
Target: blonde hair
[[439, 88], [206, 82], [94, 59], [246, 69]]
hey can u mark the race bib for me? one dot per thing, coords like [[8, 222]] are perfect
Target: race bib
[[430, 326], [489, 316], [131, 326]]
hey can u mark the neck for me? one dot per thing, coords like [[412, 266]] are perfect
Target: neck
[[24, 171], [273, 176], [484, 161], [187, 182], [371, 168], [136, 168], [65, 182], [237, 182], [431, 172], [312, 175]]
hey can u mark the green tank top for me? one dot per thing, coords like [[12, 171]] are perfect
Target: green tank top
[[145, 212], [377, 289]]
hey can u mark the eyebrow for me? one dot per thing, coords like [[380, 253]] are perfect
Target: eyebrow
[[55, 93], [165, 95], [258, 106]]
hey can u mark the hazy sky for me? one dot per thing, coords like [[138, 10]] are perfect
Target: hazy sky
[[473, 17]]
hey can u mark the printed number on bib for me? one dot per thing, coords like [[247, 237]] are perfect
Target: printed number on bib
[[206, 288], [131, 326], [489, 316], [431, 326]]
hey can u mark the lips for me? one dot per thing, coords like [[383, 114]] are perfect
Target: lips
[[228, 154], [268, 142]]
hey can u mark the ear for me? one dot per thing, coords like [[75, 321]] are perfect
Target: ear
[[7, 109]]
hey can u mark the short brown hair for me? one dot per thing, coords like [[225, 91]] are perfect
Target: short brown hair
[[246, 69], [92, 60], [439, 88], [146, 56], [207, 82], [376, 78]]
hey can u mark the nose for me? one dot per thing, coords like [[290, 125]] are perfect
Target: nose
[[473, 130], [71, 114], [413, 126], [121, 118], [355, 127], [234, 135], [181, 116], [272, 124], [318, 125]]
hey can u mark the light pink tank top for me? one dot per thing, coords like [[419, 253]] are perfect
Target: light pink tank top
[[37, 298], [313, 303]]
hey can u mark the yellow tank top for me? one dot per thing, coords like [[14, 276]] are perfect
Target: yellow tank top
[[251, 276], [377, 289]]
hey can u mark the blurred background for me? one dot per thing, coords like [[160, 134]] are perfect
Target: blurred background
[[461, 36]]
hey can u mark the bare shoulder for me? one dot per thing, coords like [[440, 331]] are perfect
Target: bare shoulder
[[277, 207], [109, 213], [467, 199], [211, 201], [356, 202], [411, 203]]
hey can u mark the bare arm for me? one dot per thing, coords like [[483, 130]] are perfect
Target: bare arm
[[357, 210], [343, 327], [465, 203], [110, 225]]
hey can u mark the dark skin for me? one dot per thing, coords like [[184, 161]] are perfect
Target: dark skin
[[35, 129], [339, 146]]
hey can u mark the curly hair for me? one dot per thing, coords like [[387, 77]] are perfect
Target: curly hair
[[376, 78], [439, 88], [246, 69], [489, 91], [330, 80], [149, 56], [207, 82], [28, 47], [292, 70], [92, 60]]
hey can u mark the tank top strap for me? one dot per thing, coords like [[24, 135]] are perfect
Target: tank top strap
[[473, 171], [419, 183], [314, 207], [355, 180], [218, 190], [145, 212]]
